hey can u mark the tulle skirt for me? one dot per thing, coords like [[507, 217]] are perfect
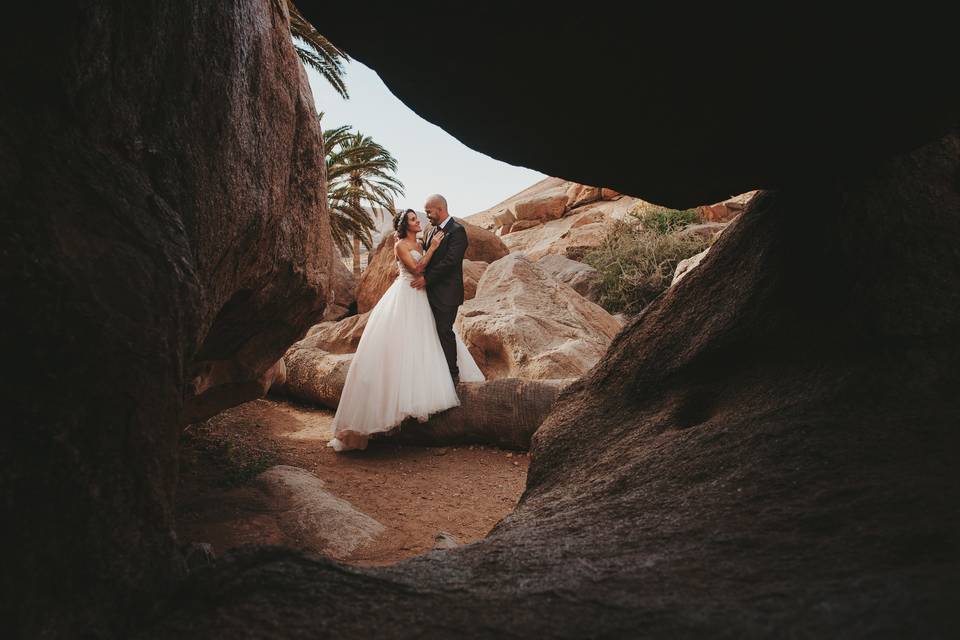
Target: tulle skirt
[[399, 370]]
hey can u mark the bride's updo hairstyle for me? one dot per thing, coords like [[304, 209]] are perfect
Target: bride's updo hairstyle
[[401, 222]]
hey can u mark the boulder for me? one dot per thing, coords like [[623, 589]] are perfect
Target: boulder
[[504, 413], [583, 278], [484, 246], [472, 272], [685, 266], [165, 240], [522, 225], [703, 231], [487, 219], [525, 324], [727, 210], [543, 207], [573, 236], [317, 519], [380, 273], [314, 376], [504, 219], [336, 337], [342, 296], [579, 194]]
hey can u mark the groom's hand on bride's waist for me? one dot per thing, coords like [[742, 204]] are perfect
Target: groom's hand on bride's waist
[[418, 283]]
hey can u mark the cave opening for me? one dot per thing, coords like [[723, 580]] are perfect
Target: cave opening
[[807, 489]]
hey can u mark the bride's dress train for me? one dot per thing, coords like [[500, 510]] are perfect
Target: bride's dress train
[[399, 369]]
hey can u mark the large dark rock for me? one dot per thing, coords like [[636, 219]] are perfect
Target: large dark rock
[[164, 236], [697, 105], [768, 450]]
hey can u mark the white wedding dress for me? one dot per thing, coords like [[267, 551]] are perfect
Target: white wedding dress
[[399, 369]]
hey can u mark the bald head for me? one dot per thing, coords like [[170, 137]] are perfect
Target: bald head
[[436, 208]]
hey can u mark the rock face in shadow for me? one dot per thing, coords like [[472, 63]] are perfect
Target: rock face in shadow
[[504, 413], [692, 129], [165, 236], [768, 448]]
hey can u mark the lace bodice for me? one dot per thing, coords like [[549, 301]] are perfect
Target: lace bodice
[[403, 273]]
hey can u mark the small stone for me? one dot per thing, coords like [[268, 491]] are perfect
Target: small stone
[[444, 540], [509, 455]]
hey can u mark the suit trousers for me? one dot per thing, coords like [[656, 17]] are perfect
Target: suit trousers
[[444, 317]]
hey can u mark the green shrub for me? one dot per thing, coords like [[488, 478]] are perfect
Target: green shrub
[[637, 263], [662, 220]]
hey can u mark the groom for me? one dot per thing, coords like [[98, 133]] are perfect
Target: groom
[[443, 276]]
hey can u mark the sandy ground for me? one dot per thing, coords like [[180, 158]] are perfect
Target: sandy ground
[[415, 492]]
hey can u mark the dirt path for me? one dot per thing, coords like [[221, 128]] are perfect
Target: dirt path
[[415, 492]]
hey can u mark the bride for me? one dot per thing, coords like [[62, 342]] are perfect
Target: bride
[[399, 369]]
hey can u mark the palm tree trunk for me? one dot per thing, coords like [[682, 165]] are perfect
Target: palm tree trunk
[[356, 256]]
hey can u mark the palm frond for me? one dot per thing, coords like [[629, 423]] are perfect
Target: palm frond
[[318, 52], [361, 185]]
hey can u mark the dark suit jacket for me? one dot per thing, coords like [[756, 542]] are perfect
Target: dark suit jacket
[[444, 274]]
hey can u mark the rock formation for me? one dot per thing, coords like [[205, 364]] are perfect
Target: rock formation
[[525, 324], [581, 277], [775, 435], [165, 239], [504, 413], [767, 450], [306, 511]]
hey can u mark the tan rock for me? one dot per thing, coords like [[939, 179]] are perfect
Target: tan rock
[[572, 236], [484, 246], [525, 324], [549, 206], [380, 273], [336, 337], [704, 231], [579, 195], [609, 194], [581, 277], [505, 218], [486, 218], [726, 210], [472, 272], [307, 512], [686, 266], [523, 225], [314, 375]]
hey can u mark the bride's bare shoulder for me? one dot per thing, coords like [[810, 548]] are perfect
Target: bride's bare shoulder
[[404, 245]]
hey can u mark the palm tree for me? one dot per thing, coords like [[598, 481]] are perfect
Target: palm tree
[[361, 184], [316, 51]]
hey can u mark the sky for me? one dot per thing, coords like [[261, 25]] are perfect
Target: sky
[[429, 159]]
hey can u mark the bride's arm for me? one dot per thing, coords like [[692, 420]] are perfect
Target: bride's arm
[[425, 260], [406, 258]]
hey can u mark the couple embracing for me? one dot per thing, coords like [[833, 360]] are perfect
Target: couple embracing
[[409, 357]]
